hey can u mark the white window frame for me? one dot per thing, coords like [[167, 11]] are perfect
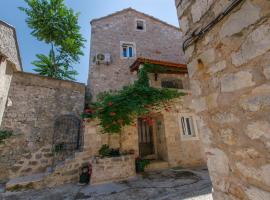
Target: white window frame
[[195, 135], [129, 44], [144, 25]]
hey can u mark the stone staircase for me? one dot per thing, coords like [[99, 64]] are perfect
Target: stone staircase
[[157, 165]]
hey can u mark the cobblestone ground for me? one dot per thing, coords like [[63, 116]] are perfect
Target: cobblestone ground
[[173, 184]]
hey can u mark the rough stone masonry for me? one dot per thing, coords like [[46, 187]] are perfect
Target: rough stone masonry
[[229, 69]]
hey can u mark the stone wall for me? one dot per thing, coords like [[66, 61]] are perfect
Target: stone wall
[[6, 72], [113, 169], [34, 104], [8, 44], [157, 42], [229, 71]]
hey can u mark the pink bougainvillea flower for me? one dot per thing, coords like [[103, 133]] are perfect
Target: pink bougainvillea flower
[[88, 110], [112, 113]]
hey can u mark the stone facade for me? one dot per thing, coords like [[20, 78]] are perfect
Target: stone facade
[[34, 104], [169, 144], [229, 71], [157, 41]]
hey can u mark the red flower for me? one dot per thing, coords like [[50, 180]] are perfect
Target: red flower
[[110, 103], [88, 111], [112, 114]]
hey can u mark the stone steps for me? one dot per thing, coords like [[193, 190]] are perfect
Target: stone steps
[[157, 165], [34, 181]]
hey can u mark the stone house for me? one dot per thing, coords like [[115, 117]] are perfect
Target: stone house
[[120, 44], [227, 47], [122, 37]]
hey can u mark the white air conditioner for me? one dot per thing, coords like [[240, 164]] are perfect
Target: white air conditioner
[[103, 58]]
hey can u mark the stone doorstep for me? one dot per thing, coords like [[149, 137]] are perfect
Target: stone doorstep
[[157, 165], [26, 182]]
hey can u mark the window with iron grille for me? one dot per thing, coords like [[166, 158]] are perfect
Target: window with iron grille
[[172, 83]]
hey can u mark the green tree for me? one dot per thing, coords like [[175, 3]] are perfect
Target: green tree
[[57, 25]]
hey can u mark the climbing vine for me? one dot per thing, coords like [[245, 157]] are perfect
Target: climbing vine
[[118, 109]]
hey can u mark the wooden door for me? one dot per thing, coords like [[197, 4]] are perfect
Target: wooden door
[[146, 140]]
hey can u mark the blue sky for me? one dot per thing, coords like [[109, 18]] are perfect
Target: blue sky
[[89, 9]]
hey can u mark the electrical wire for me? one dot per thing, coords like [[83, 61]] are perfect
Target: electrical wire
[[196, 36]]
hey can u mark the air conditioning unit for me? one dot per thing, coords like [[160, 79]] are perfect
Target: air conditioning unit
[[103, 58]]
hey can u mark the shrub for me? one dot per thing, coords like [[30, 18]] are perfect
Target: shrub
[[4, 135], [106, 151], [141, 164]]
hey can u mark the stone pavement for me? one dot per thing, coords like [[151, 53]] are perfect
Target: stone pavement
[[180, 184]]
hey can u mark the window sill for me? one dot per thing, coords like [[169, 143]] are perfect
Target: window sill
[[128, 58]]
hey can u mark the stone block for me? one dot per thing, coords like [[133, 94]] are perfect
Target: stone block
[[256, 193], [258, 130], [184, 25], [260, 174], [217, 162], [266, 71], [199, 104], [257, 43], [227, 136], [255, 103], [225, 118], [240, 19], [217, 67], [262, 89], [236, 81], [199, 8], [211, 101], [195, 87]]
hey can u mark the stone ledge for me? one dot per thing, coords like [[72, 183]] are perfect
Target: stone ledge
[[26, 182], [112, 169]]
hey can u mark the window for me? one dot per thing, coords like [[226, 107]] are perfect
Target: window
[[175, 83], [188, 126], [127, 50], [140, 25]]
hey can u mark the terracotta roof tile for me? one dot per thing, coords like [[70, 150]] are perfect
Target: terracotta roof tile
[[139, 61]]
